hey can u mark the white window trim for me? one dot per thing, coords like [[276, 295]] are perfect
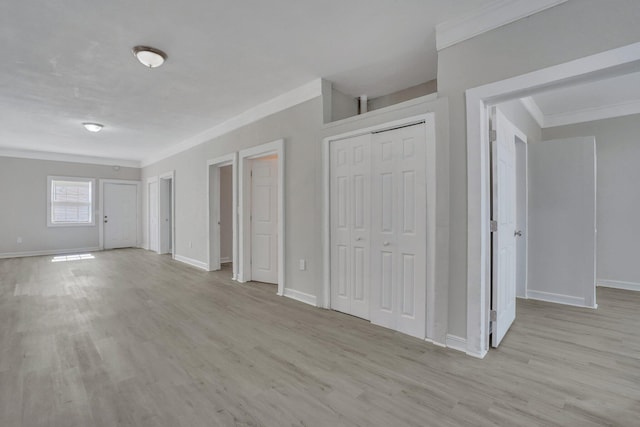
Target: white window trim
[[51, 178]]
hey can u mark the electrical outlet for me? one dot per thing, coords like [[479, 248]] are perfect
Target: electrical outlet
[[19, 240], [303, 264], [190, 244]]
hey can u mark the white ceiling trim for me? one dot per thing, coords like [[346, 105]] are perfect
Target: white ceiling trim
[[532, 107], [579, 116], [62, 157], [591, 114], [282, 102], [487, 18]]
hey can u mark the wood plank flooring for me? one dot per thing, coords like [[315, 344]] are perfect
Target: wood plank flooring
[[131, 338]]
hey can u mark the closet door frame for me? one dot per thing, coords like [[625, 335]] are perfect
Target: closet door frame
[[430, 168]]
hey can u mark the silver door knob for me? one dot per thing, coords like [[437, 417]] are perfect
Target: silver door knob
[[518, 233], [385, 244]]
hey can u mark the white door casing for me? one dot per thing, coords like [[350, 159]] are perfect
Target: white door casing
[[264, 220], [350, 225], [398, 230], [120, 219], [153, 214], [503, 161]]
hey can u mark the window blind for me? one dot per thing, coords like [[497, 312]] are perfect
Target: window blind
[[71, 202]]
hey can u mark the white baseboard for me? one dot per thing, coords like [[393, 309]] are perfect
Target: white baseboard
[[301, 296], [48, 252], [557, 298], [192, 262], [225, 260], [457, 343], [617, 284]]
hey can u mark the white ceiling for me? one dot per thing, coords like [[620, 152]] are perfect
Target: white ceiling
[[609, 97], [69, 62]]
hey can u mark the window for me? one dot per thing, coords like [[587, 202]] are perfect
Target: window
[[70, 201]]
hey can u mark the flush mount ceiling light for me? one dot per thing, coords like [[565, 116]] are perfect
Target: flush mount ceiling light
[[93, 127], [149, 56]]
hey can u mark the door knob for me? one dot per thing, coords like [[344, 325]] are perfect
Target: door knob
[[517, 233], [385, 244], [358, 239]]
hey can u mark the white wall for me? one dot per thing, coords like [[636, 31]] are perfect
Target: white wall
[[618, 205], [554, 36], [226, 213], [23, 197], [562, 210], [300, 127]]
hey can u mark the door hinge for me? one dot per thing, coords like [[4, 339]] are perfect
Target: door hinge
[[493, 315], [493, 226], [493, 136]]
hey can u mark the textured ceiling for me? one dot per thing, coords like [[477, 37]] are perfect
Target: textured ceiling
[[66, 62]]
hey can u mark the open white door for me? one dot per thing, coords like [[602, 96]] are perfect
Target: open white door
[[264, 220], [120, 215], [153, 215], [503, 187], [166, 217]]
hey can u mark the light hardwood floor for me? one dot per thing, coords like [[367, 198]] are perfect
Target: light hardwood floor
[[133, 338]]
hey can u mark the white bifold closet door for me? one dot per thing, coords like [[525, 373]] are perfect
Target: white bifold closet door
[[378, 228], [399, 230], [350, 224]]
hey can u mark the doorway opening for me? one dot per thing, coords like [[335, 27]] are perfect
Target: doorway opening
[[575, 74], [261, 225], [222, 223], [166, 214]]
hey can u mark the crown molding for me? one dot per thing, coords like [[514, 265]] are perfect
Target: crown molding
[[282, 102], [492, 16], [532, 107], [591, 114], [63, 157]]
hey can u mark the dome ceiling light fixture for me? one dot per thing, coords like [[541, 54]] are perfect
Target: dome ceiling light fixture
[[149, 56], [93, 127]]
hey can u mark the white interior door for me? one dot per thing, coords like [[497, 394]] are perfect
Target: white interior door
[[120, 215], [562, 221], [153, 216], [264, 220], [503, 163], [350, 225], [398, 231], [166, 218]]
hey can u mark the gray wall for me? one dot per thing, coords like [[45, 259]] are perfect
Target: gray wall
[[226, 212], [23, 196], [618, 203], [554, 36], [562, 221], [300, 127], [403, 95], [342, 106]]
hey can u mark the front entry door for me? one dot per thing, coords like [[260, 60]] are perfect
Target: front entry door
[[120, 215]]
